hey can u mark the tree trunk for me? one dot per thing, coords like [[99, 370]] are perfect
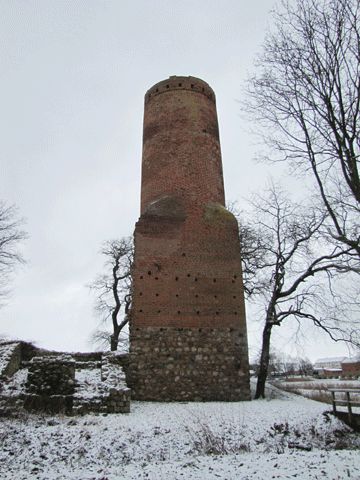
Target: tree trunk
[[264, 361], [114, 342]]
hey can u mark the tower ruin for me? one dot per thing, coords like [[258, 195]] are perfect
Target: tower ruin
[[188, 332]]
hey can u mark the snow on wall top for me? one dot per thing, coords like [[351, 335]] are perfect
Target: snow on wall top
[[6, 352]]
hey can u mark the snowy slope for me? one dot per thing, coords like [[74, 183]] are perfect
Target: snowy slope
[[285, 437]]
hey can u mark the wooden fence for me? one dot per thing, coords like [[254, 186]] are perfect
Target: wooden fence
[[350, 402]]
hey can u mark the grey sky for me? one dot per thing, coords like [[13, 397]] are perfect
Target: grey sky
[[73, 76]]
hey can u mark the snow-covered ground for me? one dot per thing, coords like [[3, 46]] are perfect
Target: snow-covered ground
[[285, 437]]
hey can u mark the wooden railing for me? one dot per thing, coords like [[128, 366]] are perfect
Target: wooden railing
[[348, 402]]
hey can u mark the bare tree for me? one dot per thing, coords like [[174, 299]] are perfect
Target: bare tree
[[294, 255], [305, 367], [253, 257], [114, 290], [306, 95], [253, 251], [11, 235]]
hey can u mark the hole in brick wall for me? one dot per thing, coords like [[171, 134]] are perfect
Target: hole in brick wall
[[179, 312], [196, 296], [140, 311], [235, 313], [216, 313], [200, 330], [183, 255], [198, 313], [149, 273], [235, 276], [157, 90], [180, 84], [159, 311], [176, 279], [234, 296], [156, 294], [204, 131], [214, 280], [192, 85], [167, 86], [140, 294], [141, 277], [203, 89], [215, 296], [188, 274], [156, 278], [232, 281], [195, 279], [176, 295]]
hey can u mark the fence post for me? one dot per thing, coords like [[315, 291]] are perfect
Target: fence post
[[333, 402], [349, 408]]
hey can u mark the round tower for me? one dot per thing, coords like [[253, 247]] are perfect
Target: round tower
[[188, 331], [181, 147]]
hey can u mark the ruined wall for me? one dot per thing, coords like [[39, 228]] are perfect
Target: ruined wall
[[188, 331], [50, 384]]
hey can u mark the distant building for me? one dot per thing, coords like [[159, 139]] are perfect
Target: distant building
[[351, 367], [329, 367]]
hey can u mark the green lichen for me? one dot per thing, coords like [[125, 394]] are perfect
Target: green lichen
[[215, 213]]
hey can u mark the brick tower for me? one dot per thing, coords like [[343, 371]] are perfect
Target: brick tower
[[188, 332]]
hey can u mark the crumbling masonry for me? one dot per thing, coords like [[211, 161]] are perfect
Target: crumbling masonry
[[188, 332]]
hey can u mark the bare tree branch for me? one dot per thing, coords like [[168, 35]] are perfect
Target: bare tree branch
[[306, 96], [11, 235], [296, 266], [113, 289]]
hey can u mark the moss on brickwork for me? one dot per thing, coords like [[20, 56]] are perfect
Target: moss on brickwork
[[215, 213]]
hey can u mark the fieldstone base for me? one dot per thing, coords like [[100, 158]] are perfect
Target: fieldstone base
[[188, 364]]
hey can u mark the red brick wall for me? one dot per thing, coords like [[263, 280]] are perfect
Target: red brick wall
[[351, 369], [187, 270], [181, 148]]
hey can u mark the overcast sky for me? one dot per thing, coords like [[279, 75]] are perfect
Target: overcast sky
[[73, 74]]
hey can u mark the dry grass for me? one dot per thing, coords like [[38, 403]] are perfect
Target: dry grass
[[316, 390]]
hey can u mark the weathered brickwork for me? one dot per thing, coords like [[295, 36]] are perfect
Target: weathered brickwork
[[188, 302]]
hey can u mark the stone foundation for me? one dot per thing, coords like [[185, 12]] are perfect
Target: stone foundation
[[188, 364], [50, 384], [52, 375]]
